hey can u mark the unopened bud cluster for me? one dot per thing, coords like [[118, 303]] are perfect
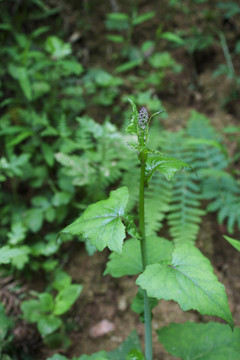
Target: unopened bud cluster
[[142, 119]]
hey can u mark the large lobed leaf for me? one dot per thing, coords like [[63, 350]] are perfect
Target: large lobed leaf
[[191, 341], [130, 261], [189, 280], [101, 222]]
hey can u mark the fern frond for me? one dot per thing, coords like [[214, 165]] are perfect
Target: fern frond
[[157, 200], [224, 191], [199, 127], [185, 209]]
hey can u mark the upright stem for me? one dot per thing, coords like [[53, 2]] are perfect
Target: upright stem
[[147, 309]]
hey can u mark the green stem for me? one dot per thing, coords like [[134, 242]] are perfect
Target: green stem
[[147, 309]]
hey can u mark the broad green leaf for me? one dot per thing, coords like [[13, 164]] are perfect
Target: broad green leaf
[[132, 128], [66, 298], [233, 242], [130, 261], [191, 341], [47, 324], [131, 343], [168, 166], [189, 280], [101, 222]]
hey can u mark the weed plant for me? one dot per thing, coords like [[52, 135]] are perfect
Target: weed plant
[[166, 270]]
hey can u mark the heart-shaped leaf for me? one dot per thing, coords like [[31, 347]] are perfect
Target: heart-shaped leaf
[[191, 341], [101, 222], [189, 280], [130, 261]]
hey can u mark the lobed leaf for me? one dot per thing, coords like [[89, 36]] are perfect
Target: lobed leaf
[[189, 280], [101, 222]]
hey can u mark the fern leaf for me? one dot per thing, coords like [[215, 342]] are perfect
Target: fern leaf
[[157, 201], [184, 212]]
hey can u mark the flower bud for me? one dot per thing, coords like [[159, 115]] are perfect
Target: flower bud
[[142, 119]]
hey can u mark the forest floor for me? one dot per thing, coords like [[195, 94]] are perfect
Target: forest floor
[[107, 298]]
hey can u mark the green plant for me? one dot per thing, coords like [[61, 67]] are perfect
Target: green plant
[[170, 271], [123, 22], [46, 310]]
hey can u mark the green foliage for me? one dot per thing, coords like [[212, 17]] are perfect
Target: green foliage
[[210, 341], [190, 281], [46, 309], [130, 263], [130, 349], [104, 218]]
